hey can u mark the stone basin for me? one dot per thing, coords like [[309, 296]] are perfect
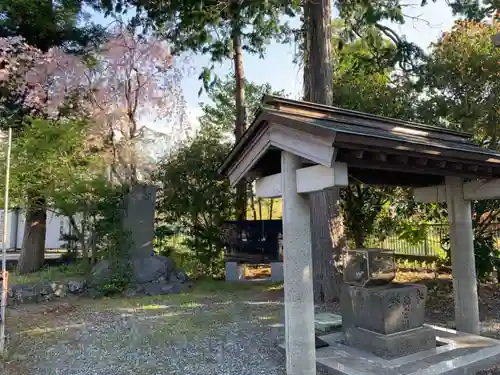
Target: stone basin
[[389, 308]]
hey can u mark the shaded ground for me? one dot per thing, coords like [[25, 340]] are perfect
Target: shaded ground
[[218, 328], [206, 332]]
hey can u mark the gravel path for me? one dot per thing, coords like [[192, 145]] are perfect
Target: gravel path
[[215, 337], [226, 334]]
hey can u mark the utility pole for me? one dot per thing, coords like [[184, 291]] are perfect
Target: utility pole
[[4, 248]]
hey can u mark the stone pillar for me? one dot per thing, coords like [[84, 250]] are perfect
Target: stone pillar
[[235, 271], [297, 260], [277, 272], [139, 219], [462, 257]]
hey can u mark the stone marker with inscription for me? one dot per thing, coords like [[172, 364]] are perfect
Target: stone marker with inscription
[[140, 204]]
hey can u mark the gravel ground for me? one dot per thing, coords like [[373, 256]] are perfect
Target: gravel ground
[[224, 333], [82, 337]]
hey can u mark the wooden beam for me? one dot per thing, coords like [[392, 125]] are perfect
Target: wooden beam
[[401, 159], [473, 190], [269, 186], [380, 157], [317, 177], [358, 154], [310, 147], [482, 189], [421, 162], [472, 167], [430, 194], [440, 163]]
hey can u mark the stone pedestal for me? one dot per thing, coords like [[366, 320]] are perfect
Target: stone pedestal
[[277, 273], [387, 321], [389, 309], [235, 271], [139, 219]]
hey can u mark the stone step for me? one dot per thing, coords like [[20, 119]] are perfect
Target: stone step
[[327, 322]]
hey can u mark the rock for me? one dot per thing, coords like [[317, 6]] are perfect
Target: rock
[[77, 286], [181, 276], [151, 268], [169, 263], [43, 289], [60, 289], [130, 292], [101, 269], [175, 289]]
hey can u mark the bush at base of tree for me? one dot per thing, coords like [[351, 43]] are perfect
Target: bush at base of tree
[[195, 197]]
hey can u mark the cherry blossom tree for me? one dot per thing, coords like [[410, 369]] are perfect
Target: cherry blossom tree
[[131, 80], [128, 79], [34, 85]]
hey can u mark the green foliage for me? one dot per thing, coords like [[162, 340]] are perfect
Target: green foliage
[[47, 157], [50, 158], [475, 9], [361, 206], [113, 241], [51, 273], [363, 85], [220, 114], [209, 27], [217, 121], [45, 24], [195, 197], [486, 253], [461, 83], [368, 20]]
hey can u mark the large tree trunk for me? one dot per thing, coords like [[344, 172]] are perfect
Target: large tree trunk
[[327, 230], [306, 81], [33, 249], [327, 243], [240, 124], [319, 58]]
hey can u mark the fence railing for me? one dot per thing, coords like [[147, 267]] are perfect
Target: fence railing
[[431, 246]]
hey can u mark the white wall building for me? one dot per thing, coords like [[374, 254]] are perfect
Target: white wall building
[[57, 225]]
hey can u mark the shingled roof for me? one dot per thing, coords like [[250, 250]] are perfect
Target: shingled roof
[[376, 149]]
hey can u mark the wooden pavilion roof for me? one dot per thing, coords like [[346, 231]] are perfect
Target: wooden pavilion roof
[[377, 150]]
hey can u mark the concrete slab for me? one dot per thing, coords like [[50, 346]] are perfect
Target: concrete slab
[[395, 345], [457, 353], [327, 322]]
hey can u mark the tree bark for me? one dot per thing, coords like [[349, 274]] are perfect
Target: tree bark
[[327, 230], [319, 57], [252, 203], [33, 248], [271, 204], [81, 235], [240, 124], [306, 73]]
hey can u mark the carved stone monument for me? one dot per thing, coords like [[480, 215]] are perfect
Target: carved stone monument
[[139, 218], [384, 318]]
